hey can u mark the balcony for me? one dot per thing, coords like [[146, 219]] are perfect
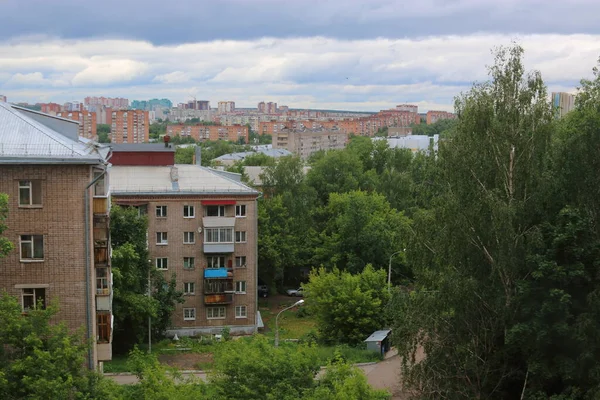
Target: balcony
[[214, 299], [101, 205], [100, 255]]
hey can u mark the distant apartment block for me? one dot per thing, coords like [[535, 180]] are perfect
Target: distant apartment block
[[50, 108], [563, 102], [72, 106], [306, 142], [203, 133], [271, 108], [226, 107], [435, 116], [261, 107], [87, 122], [58, 221], [408, 107], [131, 126], [151, 105], [3, 99], [117, 103]]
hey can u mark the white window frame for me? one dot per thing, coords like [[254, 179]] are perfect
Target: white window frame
[[187, 209], [240, 264], [239, 313], [189, 288], [102, 282], [221, 234], [191, 314], [191, 263], [240, 237], [210, 264], [29, 185], [186, 237], [161, 211], [210, 312], [221, 211], [31, 241], [34, 294], [240, 211], [240, 287], [163, 261], [164, 239]]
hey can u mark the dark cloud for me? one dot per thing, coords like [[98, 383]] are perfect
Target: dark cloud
[[168, 22]]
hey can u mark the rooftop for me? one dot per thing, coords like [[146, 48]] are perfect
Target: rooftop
[[378, 336], [275, 153], [173, 180], [142, 147]]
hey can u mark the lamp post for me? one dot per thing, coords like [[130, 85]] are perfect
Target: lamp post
[[299, 302], [390, 270]]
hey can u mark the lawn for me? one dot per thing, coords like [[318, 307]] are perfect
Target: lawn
[[292, 323]]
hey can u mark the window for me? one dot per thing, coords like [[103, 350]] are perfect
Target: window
[[189, 287], [100, 185], [240, 210], [189, 314], [218, 235], [102, 281], [188, 262], [215, 211], [188, 238], [215, 312], [103, 327], [241, 312], [240, 262], [30, 193], [161, 211], [32, 247], [32, 298], [162, 263], [161, 238], [240, 236], [240, 287], [215, 262], [189, 212]]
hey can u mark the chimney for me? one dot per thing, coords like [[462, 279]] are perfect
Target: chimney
[[166, 139], [174, 174], [198, 155]]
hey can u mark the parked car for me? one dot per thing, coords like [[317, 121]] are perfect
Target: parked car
[[295, 292], [263, 291]]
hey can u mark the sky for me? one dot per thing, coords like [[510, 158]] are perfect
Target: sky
[[356, 55]]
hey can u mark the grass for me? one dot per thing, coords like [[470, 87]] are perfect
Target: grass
[[291, 325], [117, 364]]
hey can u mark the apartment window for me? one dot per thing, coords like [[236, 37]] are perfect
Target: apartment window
[[162, 263], [161, 211], [215, 211], [240, 236], [100, 188], [188, 238], [189, 212], [241, 312], [188, 262], [161, 238], [103, 327], [218, 235], [240, 210], [32, 247], [215, 312], [30, 193], [240, 287], [189, 314], [215, 262], [102, 281], [189, 287], [240, 262], [32, 298]]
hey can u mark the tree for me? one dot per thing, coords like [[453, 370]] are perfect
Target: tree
[[42, 360], [348, 307], [6, 246], [337, 172], [185, 155], [103, 131]]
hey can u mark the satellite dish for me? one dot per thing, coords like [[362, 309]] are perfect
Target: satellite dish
[[199, 229]]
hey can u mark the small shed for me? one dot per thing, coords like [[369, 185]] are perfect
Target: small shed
[[379, 341]]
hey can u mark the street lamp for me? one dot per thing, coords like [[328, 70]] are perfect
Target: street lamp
[[390, 269], [299, 302]]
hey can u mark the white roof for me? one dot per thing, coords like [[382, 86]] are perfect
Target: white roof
[[187, 179], [378, 336], [275, 153], [25, 140]]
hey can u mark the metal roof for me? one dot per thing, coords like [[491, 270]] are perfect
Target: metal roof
[[275, 153], [142, 147], [378, 336], [182, 179], [27, 140]]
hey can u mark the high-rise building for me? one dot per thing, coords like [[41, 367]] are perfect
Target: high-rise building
[[563, 102], [434, 116], [261, 107], [72, 106], [226, 107], [132, 126], [58, 222], [87, 122], [271, 108], [117, 103], [50, 108], [3, 99], [408, 107]]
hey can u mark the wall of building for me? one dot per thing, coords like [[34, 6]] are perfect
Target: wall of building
[[142, 158], [131, 126]]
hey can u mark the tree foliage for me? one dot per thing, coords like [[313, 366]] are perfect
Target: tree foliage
[[6, 246]]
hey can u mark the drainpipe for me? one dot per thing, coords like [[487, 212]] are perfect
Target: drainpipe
[[88, 315]]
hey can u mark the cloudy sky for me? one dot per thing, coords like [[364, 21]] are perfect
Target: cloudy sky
[[350, 54]]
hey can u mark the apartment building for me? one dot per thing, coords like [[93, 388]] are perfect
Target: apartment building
[[226, 107], [563, 102], [117, 103], [202, 227], [308, 141], [58, 221], [50, 108], [131, 126], [435, 116], [87, 122], [3, 99], [203, 133]]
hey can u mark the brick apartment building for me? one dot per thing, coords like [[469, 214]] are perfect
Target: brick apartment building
[[202, 226], [50, 108], [117, 103], [226, 107], [203, 133], [307, 141], [435, 116], [87, 122], [3, 99], [131, 126], [58, 221]]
